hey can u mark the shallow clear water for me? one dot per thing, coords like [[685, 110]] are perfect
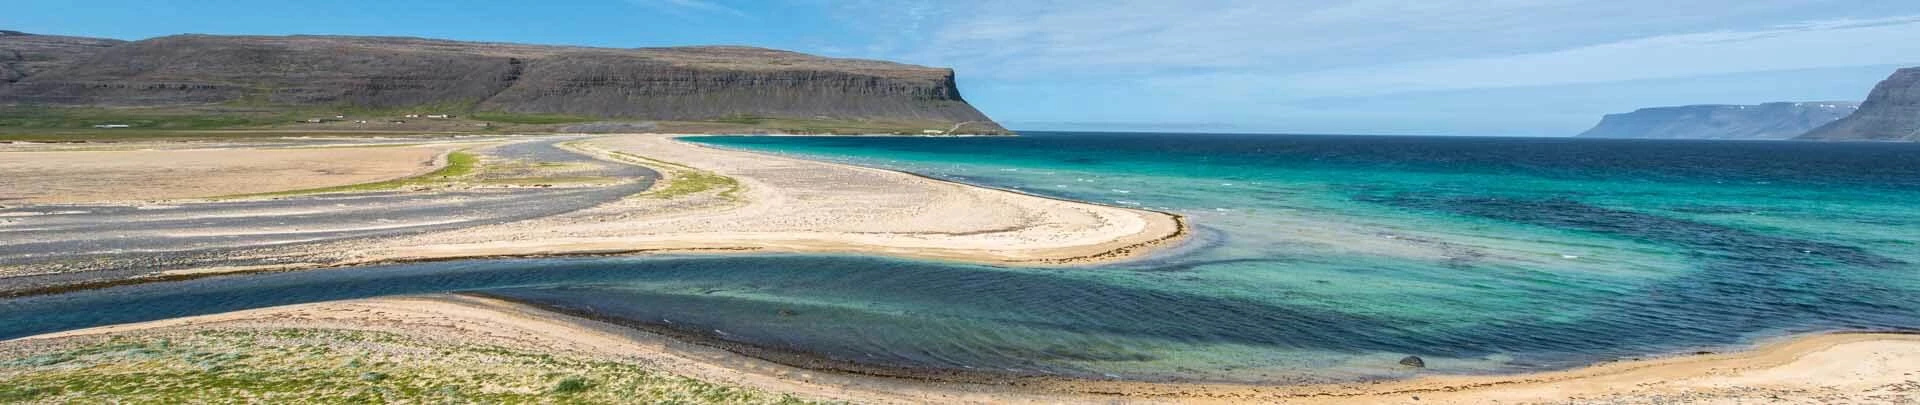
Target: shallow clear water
[[1316, 258]]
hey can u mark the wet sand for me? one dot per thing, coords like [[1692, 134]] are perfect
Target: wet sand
[[1830, 368]]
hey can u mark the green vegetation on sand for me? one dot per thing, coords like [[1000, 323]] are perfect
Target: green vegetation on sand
[[683, 180], [459, 164], [334, 366], [530, 119]]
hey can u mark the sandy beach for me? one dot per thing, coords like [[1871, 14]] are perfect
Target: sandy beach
[[1831, 368], [522, 196], [640, 194], [133, 175], [792, 205]]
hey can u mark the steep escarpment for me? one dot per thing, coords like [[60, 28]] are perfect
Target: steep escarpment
[[676, 84], [1764, 121], [23, 55], [196, 69], [1891, 113], [697, 83]]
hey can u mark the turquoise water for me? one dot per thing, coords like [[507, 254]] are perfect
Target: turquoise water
[[1490, 252], [1316, 258]]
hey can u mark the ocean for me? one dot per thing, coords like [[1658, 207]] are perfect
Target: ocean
[[1314, 259]]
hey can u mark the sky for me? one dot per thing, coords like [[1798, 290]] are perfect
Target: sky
[[1443, 67]]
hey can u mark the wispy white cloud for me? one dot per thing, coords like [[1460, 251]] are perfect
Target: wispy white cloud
[[1202, 60], [1803, 45], [1019, 38]]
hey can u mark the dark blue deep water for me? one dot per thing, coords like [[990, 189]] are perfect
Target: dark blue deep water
[[1316, 258]]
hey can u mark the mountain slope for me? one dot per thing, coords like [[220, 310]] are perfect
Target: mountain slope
[[682, 83], [1891, 113], [23, 55], [1764, 121]]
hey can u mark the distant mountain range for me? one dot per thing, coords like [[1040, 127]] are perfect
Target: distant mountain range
[[1765, 121], [1890, 113], [676, 84]]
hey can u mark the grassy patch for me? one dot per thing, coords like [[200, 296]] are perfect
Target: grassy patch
[[571, 385], [743, 119], [815, 126], [459, 164], [333, 366], [529, 119], [85, 118], [683, 180], [688, 183], [114, 135]]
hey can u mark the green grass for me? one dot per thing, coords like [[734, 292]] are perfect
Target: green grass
[[459, 164], [336, 366], [16, 118], [743, 119], [819, 126], [688, 183], [529, 119], [39, 123], [111, 135], [685, 180]]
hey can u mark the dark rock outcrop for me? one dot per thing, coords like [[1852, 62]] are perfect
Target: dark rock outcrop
[[681, 83], [1764, 121], [1413, 361], [23, 55], [1891, 113]]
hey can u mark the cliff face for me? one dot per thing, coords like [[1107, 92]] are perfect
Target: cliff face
[[1891, 113], [189, 70], [23, 55], [688, 83], [1764, 121], [695, 83]]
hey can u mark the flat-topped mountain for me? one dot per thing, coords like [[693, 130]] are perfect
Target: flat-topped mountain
[[679, 83], [1891, 113], [1764, 121]]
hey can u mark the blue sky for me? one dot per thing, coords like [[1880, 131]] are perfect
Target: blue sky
[[1483, 67]]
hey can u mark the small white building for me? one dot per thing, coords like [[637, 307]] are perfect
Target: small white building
[[440, 116], [112, 126], [933, 132], [413, 115]]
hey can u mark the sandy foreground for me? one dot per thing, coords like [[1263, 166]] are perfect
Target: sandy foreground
[[119, 175], [1837, 368]]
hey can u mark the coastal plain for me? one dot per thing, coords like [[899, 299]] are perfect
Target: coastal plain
[[536, 196], [531, 196]]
